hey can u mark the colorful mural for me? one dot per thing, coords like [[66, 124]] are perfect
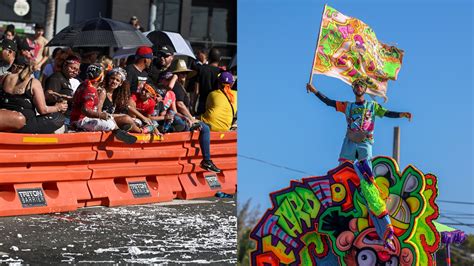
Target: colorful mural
[[323, 220]]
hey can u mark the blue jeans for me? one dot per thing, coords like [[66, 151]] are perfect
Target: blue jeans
[[204, 137], [205, 140], [37, 74]]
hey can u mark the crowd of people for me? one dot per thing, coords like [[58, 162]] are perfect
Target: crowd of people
[[82, 90]]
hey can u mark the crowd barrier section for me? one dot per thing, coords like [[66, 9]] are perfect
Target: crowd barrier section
[[196, 182], [45, 173], [62, 172], [144, 172]]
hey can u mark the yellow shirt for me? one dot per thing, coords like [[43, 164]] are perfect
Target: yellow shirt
[[218, 113]]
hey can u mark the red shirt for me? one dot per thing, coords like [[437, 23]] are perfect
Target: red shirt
[[145, 108], [86, 95]]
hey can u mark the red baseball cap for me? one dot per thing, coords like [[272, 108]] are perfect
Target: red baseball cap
[[144, 52]]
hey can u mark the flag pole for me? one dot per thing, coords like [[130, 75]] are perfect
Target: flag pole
[[317, 45]]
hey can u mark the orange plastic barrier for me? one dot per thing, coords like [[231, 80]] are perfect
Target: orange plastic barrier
[[145, 172], [206, 184], [62, 172], [44, 173], [195, 181]]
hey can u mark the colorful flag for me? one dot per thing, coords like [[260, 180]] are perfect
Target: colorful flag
[[348, 49]]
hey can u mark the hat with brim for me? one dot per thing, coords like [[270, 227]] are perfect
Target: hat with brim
[[181, 67], [150, 90]]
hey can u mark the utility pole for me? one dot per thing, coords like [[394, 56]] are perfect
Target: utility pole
[[152, 14], [50, 19], [396, 144]]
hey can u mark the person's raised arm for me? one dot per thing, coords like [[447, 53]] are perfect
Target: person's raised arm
[[321, 96], [393, 114]]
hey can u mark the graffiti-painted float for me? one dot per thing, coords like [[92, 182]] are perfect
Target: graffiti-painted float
[[323, 220]]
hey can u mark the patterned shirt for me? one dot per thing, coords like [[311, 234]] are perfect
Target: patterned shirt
[[361, 116]]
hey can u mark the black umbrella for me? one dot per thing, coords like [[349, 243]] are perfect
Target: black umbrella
[[100, 32]]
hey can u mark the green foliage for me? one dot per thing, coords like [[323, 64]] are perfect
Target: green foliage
[[247, 218]]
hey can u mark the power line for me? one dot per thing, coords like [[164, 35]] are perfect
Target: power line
[[456, 202], [455, 220], [274, 165], [458, 224], [451, 212]]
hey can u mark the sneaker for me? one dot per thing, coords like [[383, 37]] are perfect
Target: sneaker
[[220, 194], [124, 136], [208, 165]]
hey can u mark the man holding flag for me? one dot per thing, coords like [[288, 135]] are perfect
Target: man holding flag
[[348, 49]]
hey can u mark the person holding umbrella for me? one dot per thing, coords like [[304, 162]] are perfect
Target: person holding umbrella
[[161, 64]]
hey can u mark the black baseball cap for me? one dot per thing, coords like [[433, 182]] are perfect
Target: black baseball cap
[[166, 50], [9, 44]]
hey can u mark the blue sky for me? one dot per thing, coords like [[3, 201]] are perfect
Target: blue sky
[[282, 124]]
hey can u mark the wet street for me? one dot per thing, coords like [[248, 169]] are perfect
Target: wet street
[[178, 232]]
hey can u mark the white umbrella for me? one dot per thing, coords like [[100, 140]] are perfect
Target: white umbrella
[[173, 39]]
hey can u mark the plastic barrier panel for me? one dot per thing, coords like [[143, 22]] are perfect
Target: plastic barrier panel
[[61, 172], [51, 170], [198, 183], [223, 151], [133, 190], [153, 164], [36, 198], [207, 184], [50, 157]]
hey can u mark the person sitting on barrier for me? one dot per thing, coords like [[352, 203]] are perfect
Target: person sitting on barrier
[[85, 113], [221, 105], [145, 102], [7, 55], [115, 100], [357, 148], [166, 110], [182, 105], [11, 120], [59, 86], [23, 93]]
